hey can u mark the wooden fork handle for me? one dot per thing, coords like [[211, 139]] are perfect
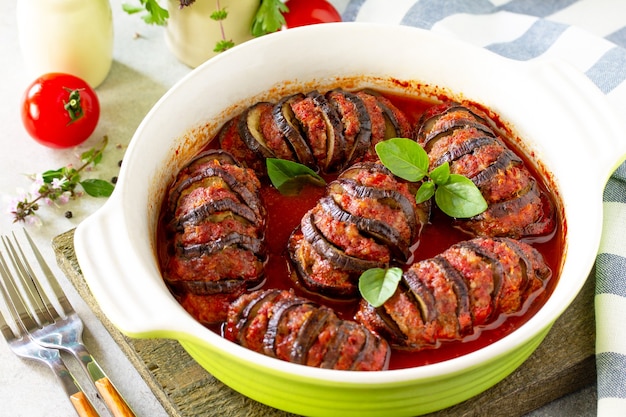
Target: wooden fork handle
[[113, 398], [82, 405]]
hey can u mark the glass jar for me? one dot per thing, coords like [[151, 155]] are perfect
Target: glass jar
[[192, 35], [69, 36]]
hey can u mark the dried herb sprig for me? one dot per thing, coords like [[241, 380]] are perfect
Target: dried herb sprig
[[60, 185]]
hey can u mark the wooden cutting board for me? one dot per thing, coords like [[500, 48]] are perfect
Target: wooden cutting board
[[563, 363]]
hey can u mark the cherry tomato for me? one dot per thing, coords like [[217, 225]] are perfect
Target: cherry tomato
[[60, 110], [310, 12]]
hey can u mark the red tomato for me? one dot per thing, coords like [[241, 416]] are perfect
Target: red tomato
[[60, 110], [310, 12]]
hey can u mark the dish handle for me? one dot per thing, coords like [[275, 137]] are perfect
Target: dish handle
[[104, 236], [605, 146]]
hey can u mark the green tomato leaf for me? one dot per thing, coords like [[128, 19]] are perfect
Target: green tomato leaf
[[460, 197], [403, 157], [441, 174], [377, 285], [425, 192], [289, 177], [97, 188]]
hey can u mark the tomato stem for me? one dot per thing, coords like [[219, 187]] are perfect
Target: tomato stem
[[73, 106]]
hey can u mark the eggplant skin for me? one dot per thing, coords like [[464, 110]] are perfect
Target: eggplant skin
[[215, 235], [280, 324], [453, 295], [466, 137]]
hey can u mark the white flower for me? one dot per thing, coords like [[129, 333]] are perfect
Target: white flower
[[57, 183], [35, 186], [64, 197]]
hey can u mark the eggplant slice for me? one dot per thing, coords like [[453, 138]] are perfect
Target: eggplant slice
[[291, 128], [458, 292]]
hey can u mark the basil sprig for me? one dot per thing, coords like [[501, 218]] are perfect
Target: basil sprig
[[456, 195]]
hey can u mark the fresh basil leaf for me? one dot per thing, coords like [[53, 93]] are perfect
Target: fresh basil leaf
[[377, 285], [48, 176], [97, 188], [441, 174], [460, 197], [425, 192], [91, 155], [289, 177], [404, 158]]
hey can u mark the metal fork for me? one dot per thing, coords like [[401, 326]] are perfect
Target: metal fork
[[60, 328], [23, 345]]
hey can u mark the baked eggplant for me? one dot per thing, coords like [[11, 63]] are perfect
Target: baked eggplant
[[216, 226], [366, 220], [280, 324], [326, 132], [465, 137], [452, 295]]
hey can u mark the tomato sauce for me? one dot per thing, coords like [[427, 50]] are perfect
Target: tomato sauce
[[285, 212]]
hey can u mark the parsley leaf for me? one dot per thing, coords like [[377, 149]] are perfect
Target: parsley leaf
[[269, 18], [156, 15]]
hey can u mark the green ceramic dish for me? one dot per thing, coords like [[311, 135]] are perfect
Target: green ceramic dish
[[555, 109]]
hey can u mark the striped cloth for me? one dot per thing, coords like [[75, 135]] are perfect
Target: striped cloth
[[590, 35]]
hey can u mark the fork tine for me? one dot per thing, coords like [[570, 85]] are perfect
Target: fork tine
[[52, 281], [31, 305], [14, 299], [7, 331]]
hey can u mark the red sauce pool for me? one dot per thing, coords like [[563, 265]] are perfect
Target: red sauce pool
[[285, 213]]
